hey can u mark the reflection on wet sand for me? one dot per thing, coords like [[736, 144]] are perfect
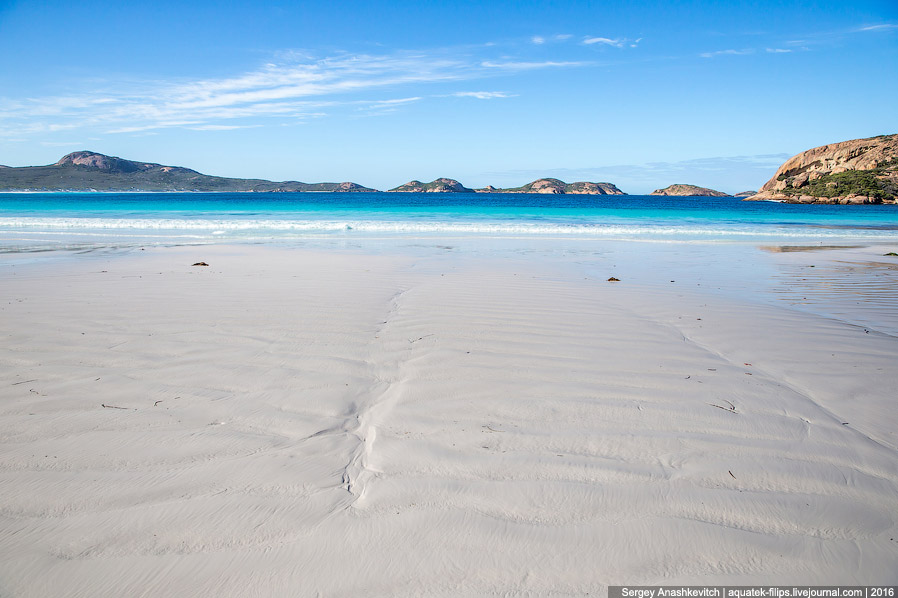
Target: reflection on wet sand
[[862, 291], [791, 248]]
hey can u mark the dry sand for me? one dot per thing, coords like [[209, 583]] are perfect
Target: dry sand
[[293, 422]]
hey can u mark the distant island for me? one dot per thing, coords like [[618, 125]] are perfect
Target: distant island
[[860, 171], [544, 186], [555, 186], [437, 186], [689, 190], [92, 171]]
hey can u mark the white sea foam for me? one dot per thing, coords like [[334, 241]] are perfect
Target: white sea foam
[[226, 227]]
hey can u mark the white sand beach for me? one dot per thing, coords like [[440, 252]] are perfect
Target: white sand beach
[[428, 421]]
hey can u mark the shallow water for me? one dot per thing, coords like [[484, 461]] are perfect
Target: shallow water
[[824, 259], [36, 221]]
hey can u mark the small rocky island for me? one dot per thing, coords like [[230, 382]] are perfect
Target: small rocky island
[[555, 186], [544, 186], [689, 190], [441, 185], [860, 171]]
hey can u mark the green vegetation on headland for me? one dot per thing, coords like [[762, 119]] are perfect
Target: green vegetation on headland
[[874, 183], [858, 171]]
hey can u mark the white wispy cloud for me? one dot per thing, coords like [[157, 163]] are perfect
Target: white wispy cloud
[[482, 95], [295, 88], [727, 52], [617, 43], [542, 39], [778, 50], [382, 107], [880, 27], [395, 102], [522, 66]]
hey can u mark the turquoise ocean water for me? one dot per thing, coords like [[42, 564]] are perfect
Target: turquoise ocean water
[[36, 221]]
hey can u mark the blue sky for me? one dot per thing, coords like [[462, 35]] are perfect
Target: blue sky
[[641, 94]]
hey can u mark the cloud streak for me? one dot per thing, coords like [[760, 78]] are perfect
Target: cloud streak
[[743, 52], [881, 27], [527, 66], [482, 95], [617, 43], [296, 89], [542, 39]]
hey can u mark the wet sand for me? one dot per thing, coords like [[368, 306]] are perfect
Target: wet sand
[[431, 421]]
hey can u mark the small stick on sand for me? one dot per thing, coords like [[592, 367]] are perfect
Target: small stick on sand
[[23, 382], [111, 406], [731, 473], [730, 409]]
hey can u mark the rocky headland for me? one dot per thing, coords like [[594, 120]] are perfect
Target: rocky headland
[[689, 190], [860, 171], [92, 171]]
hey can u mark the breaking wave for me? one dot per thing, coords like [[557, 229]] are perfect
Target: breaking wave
[[292, 227]]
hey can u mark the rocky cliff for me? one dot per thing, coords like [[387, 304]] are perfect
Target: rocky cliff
[[850, 172], [686, 190]]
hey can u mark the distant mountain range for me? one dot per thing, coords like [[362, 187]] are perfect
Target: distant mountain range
[[859, 171], [92, 171]]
